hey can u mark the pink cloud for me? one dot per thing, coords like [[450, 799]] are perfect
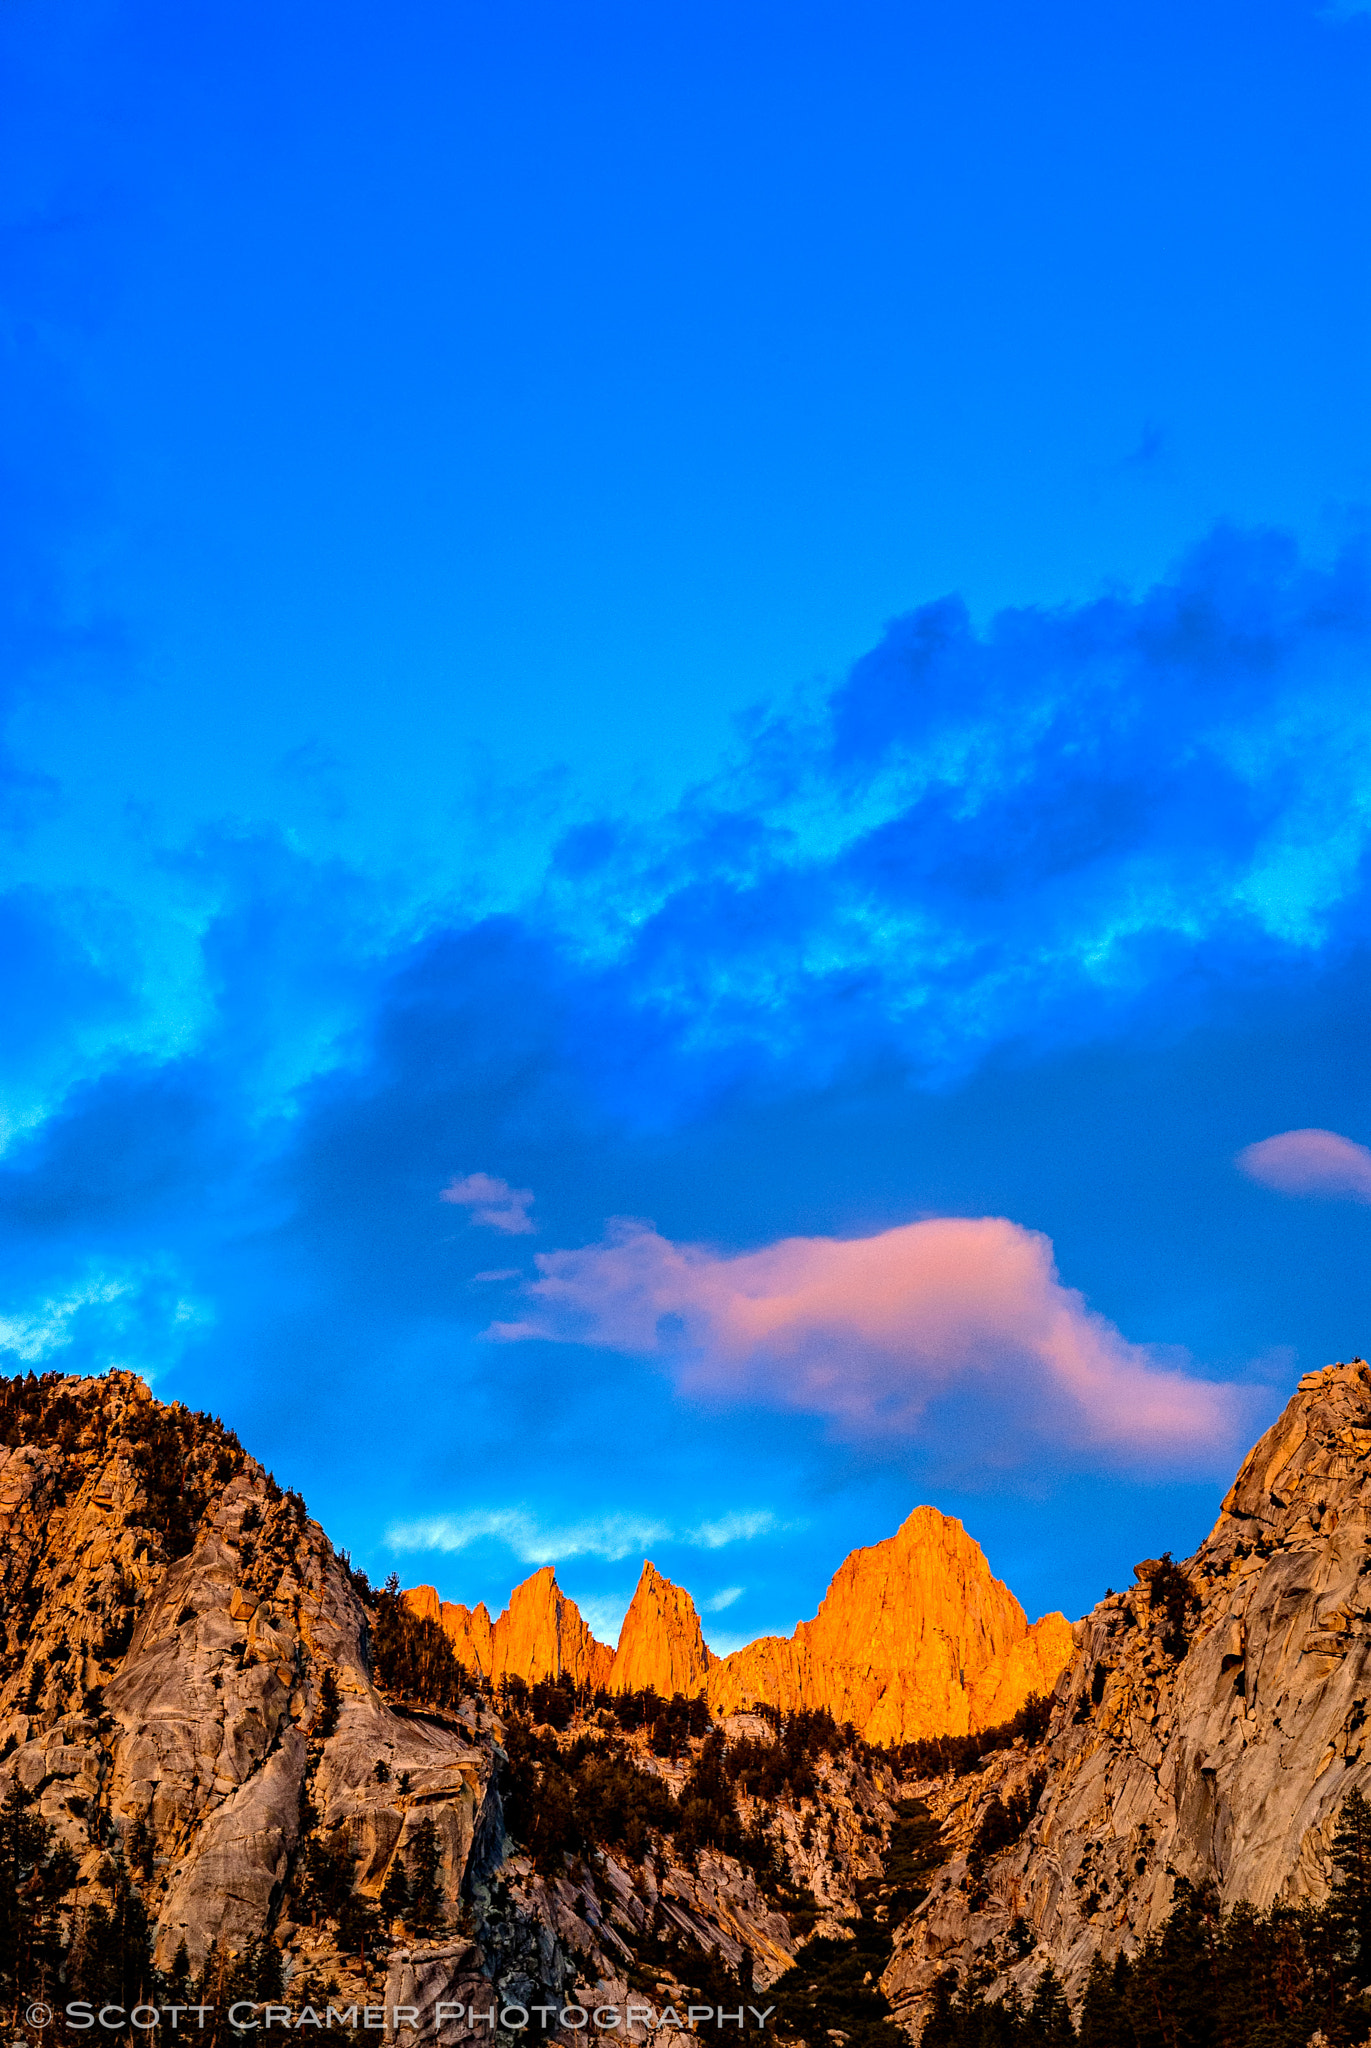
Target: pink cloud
[[493, 1202], [1310, 1163], [869, 1332]]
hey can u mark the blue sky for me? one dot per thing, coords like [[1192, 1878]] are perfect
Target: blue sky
[[754, 624]]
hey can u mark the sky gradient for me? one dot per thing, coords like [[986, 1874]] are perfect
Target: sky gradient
[[686, 790]]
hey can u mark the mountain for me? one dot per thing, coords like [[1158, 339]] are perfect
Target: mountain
[[236, 1771], [915, 1637], [539, 1635], [661, 1643], [469, 1629], [186, 1699], [1208, 1730]]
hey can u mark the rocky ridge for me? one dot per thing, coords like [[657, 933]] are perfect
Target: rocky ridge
[[540, 1634], [194, 1694], [661, 1643], [914, 1637], [189, 1695], [174, 1628], [1209, 1726]]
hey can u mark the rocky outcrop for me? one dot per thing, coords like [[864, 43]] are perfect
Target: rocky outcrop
[[914, 1637], [540, 1634], [189, 1691], [661, 1644], [1208, 1727], [469, 1629], [1032, 1665], [171, 1621]]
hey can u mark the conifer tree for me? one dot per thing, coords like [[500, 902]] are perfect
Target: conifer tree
[[33, 1877], [1351, 1900], [395, 1893], [426, 1888], [177, 1987], [1049, 2016], [330, 1705], [1102, 2007]]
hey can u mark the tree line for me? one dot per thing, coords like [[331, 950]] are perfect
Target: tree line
[[1207, 1978]]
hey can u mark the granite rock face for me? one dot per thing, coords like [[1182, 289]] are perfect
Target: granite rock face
[[661, 1643], [186, 1687], [540, 1634], [469, 1629], [169, 1619], [914, 1637], [1208, 1726]]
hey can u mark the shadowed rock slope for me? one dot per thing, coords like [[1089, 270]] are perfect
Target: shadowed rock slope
[[1209, 1727]]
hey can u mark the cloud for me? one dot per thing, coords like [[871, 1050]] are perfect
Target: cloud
[[1310, 1162], [1022, 834], [603, 1613], [137, 1318], [725, 1599], [738, 1526], [870, 1332], [611, 1537], [839, 981], [608, 1536], [49, 1326], [493, 1202]]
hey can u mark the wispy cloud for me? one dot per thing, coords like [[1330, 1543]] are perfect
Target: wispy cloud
[[34, 1334], [608, 1536], [722, 1600], [136, 1319], [739, 1526], [537, 1541], [492, 1202], [869, 1332], [603, 1614], [1310, 1162]]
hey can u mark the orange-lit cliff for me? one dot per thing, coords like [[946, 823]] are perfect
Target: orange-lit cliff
[[914, 1637]]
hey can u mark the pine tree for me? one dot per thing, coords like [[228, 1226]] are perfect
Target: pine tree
[[1049, 2016], [110, 1958], [33, 1877], [141, 1848], [271, 1975], [941, 2029], [426, 1887], [1351, 1901], [178, 1985], [330, 1705], [395, 1893], [1103, 2021]]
